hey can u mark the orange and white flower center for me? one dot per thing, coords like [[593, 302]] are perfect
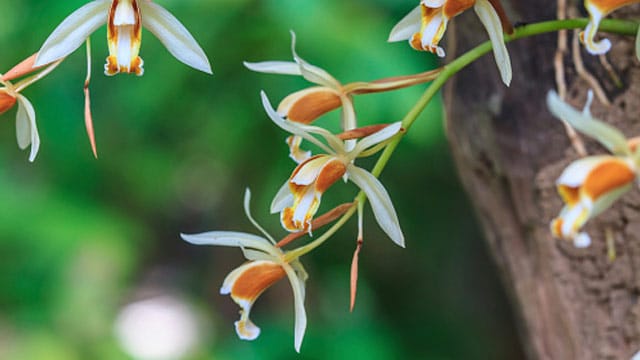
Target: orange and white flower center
[[124, 35]]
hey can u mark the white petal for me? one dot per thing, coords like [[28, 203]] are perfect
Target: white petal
[[576, 173], [175, 37], [607, 135], [491, 22], [582, 240], [274, 67], [247, 212], [232, 239], [300, 326], [594, 47], [73, 31], [293, 128], [283, 199], [308, 172], [408, 26], [378, 137], [26, 128], [310, 72], [380, 202], [433, 3]]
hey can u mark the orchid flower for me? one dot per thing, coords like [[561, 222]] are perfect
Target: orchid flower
[[592, 184], [598, 9], [425, 26], [267, 264], [124, 19], [299, 198], [307, 105], [10, 94]]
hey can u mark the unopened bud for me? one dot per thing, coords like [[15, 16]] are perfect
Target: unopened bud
[[6, 101]]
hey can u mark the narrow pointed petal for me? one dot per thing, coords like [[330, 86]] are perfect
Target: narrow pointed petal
[[607, 135], [408, 26], [378, 137], [295, 152], [491, 21], [274, 67], [26, 128], [299, 129], [72, 32], [231, 239], [298, 287], [310, 72], [175, 37], [283, 199], [247, 212], [380, 201]]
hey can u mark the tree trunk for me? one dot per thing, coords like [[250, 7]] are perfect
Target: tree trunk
[[509, 150]]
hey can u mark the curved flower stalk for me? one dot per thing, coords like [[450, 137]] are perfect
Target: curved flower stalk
[[10, 94], [592, 184], [598, 9], [267, 264], [307, 105], [425, 26], [124, 19], [299, 198]]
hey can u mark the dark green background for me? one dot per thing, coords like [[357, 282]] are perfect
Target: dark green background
[[80, 238]]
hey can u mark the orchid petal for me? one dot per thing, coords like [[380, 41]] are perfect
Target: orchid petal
[[433, 3], [607, 135], [174, 36], [72, 32], [247, 211], [588, 36], [26, 128], [380, 201], [491, 21], [231, 239], [274, 67], [575, 174], [283, 199], [310, 72], [299, 129], [298, 287], [378, 137], [408, 26]]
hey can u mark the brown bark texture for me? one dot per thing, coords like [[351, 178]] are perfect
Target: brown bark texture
[[571, 303]]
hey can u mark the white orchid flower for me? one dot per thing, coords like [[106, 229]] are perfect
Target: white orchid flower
[[299, 198], [425, 26], [124, 19], [592, 184], [267, 264]]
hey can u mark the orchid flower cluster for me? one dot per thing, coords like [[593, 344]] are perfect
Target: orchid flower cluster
[[124, 19], [588, 186]]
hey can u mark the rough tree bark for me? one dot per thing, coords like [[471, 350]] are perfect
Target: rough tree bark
[[572, 303]]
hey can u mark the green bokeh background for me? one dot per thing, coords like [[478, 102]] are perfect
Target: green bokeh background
[[80, 238]]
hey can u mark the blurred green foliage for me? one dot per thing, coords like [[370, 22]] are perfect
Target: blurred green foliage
[[80, 238]]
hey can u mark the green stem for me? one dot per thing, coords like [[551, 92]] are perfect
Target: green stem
[[621, 27]]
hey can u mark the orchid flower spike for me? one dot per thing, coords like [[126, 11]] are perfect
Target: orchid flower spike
[[267, 264], [598, 9], [299, 198], [425, 26], [124, 19], [10, 94], [592, 184], [307, 105]]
